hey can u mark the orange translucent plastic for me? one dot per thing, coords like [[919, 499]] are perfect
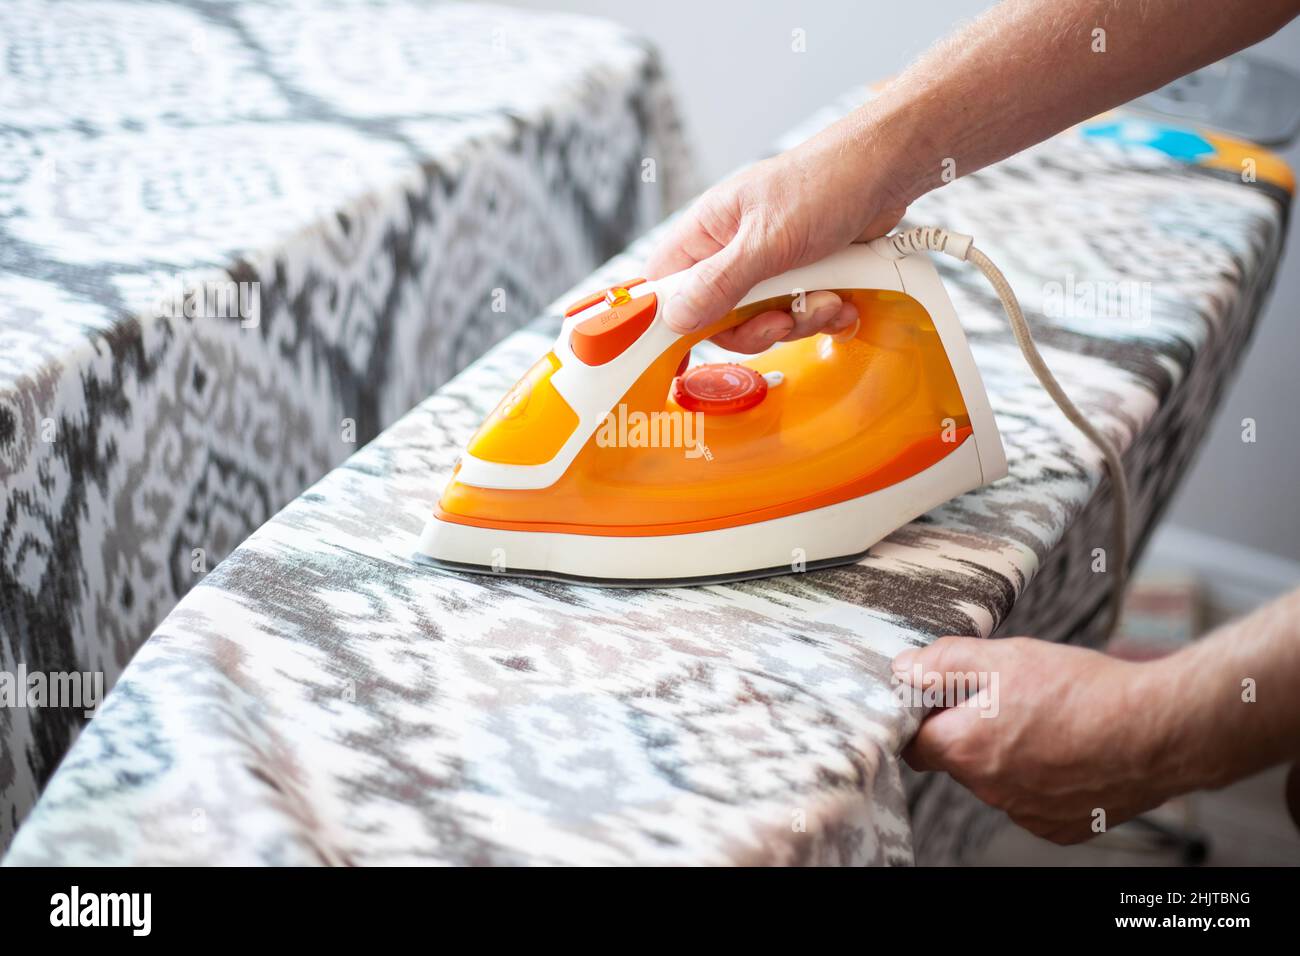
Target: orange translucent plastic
[[1233, 155], [530, 424], [848, 418]]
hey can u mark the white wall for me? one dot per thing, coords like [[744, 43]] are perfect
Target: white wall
[[738, 82], [740, 87]]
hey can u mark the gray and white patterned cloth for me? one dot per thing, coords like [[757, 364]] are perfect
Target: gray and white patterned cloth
[[319, 698], [391, 186]]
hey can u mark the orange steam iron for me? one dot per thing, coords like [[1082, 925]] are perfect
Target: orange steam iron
[[612, 461]]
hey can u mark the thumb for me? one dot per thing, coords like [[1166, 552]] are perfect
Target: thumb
[[712, 287], [945, 656]]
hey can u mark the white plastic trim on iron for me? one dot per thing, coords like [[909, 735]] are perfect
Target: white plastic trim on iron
[[921, 281]]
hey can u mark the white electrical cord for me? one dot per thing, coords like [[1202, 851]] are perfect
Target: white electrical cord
[[961, 246]]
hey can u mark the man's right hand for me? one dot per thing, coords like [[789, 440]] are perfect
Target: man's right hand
[[784, 212]]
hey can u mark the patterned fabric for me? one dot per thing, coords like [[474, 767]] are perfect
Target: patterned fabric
[[391, 187], [319, 698]]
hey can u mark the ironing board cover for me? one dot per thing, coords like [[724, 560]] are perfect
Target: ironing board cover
[[394, 186], [321, 699]]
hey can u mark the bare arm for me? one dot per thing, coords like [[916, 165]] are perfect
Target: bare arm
[[1230, 702], [1023, 71], [1028, 69]]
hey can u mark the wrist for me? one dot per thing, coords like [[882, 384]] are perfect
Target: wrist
[[1168, 727], [897, 149]]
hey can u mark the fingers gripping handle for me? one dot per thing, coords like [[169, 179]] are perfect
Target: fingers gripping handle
[[859, 266]]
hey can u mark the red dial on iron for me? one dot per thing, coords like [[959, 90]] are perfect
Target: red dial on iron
[[721, 389]]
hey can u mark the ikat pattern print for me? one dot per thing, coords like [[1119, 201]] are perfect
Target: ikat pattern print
[[373, 193]]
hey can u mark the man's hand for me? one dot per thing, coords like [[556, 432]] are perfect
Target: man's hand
[[788, 211], [1061, 734]]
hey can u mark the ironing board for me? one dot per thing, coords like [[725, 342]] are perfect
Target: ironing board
[[319, 698], [383, 190]]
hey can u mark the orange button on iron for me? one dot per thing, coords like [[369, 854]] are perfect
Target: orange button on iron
[[603, 338], [721, 389], [588, 301]]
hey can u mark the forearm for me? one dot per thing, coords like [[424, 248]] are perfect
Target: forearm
[[1028, 69], [1229, 705]]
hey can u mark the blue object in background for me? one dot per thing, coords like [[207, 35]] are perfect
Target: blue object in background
[[1178, 142]]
